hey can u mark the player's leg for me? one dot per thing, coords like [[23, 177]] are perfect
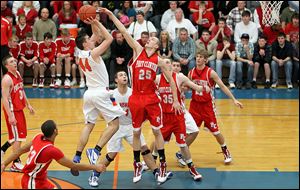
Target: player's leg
[[74, 68], [21, 68], [59, 62], [36, 68], [267, 74], [42, 68], [67, 83], [255, 72]]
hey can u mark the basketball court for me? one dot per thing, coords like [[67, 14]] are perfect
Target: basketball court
[[263, 139]]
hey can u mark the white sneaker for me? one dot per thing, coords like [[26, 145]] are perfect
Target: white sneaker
[[82, 84], [52, 84], [145, 167], [289, 86], [67, 83], [17, 167], [162, 177], [137, 176], [196, 176], [180, 159], [34, 83], [274, 85], [227, 156], [231, 85], [93, 181], [57, 83], [74, 82], [41, 85], [217, 86]]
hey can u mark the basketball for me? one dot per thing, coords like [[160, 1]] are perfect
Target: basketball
[[87, 11]]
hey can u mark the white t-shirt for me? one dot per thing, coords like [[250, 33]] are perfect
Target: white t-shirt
[[250, 29], [122, 100], [136, 29], [173, 28], [166, 18]]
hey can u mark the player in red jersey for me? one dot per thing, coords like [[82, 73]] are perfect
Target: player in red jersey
[[29, 57], [202, 106], [42, 152], [14, 101], [173, 123], [144, 102], [47, 50], [65, 52]]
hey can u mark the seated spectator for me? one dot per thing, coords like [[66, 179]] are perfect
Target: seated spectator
[[286, 16], [14, 47], [184, 51], [168, 15], [296, 59], [77, 51], [18, 4], [210, 45], [226, 57], [121, 53], [67, 15], [145, 7], [165, 48], [221, 30], [179, 22], [262, 56], [203, 18], [144, 39], [44, 25], [235, 15], [64, 55], [272, 32], [282, 54], [136, 28], [223, 8], [22, 28], [244, 55], [246, 26], [5, 10], [47, 51], [194, 6], [29, 11], [292, 29], [29, 57], [128, 9], [124, 19], [58, 5]]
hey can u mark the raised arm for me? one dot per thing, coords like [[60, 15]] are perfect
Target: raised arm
[[187, 82], [137, 48]]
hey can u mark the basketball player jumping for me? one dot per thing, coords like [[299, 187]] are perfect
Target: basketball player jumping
[[144, 102]]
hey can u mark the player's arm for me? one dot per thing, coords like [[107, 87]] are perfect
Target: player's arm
[[187, 82], [79, 166], [15, 155], [224, 88], [137, 48], [167, 71], [31, 110], [6, 87]]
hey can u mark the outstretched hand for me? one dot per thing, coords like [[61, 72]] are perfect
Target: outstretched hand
[[238, 104], [90, 20], [177, 108]]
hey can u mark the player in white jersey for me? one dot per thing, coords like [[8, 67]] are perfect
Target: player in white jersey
[[96, 99], [121, 95]]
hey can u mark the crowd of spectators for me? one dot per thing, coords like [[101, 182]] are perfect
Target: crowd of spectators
[[40, 34]]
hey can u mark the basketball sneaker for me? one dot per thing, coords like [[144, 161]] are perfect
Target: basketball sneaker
[[196, 176], [76, 159], [41, 85], [17, 167], [137, 175], [82, 84], [92, 155], [94, 179], [57, 83], [162, 176], [180, 160], [34, 83], [67, 83], [52, 84], [73, 82], [169, 174], [227, 156]]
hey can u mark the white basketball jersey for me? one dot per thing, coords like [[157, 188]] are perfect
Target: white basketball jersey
[[122, 100], [96, 73]]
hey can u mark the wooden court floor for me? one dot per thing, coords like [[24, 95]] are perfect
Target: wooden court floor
[[261, 137]]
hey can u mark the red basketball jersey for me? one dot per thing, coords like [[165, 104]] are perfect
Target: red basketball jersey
[[143, 73], [15, 51], [49, 52], [65, 48], [202, 78], [33, 168], [166, 95], [17, 95], [29, 52]]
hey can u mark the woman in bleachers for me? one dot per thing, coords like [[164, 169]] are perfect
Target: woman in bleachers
[[67, 14], [29, 11], [165, 48]]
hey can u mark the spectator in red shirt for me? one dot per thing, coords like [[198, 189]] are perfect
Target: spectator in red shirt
[[204, 19], [5, 11], [14, 47], [272, 32], [194, 6], [221, 30], [29, 57], [29, 11], [22, 27], [292, 29], [47, 51], [6, 33], [65, 52], [67, 15]]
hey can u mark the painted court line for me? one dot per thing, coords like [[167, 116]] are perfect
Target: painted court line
[[116, 169]]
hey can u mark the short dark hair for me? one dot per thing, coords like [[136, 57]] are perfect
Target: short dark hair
[[5, 58], [246, 13], [281, 34], [145, 33], [222, 19], [48, 35], [116, 75], [28, 35], [80, 39], [262, 36], [140, 13], [48, 128], [183, 30], [295, 15], [205, 30]]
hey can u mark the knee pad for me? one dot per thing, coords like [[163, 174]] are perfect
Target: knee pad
[[145, 152], [108, 158]]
